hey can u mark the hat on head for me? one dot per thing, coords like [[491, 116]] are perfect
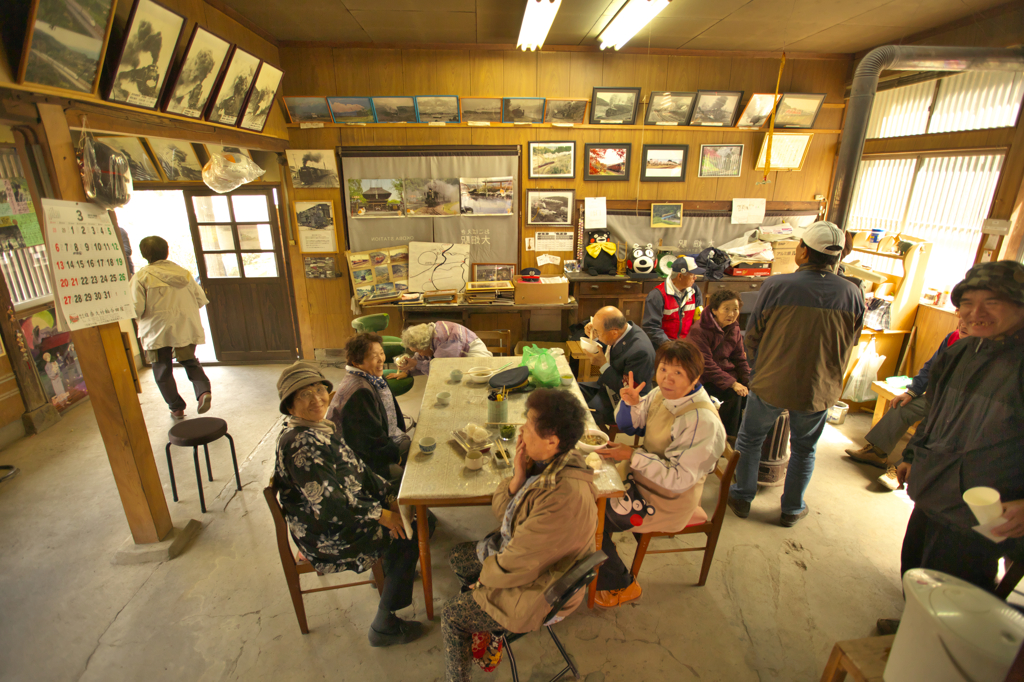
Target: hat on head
[[1004, 277], [825, 237], [685, 264], [297, 376]]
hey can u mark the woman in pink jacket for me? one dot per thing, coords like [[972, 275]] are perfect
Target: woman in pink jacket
[[726, 372]]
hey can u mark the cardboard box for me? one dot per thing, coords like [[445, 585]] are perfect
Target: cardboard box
[[538, 293], [784, 256]]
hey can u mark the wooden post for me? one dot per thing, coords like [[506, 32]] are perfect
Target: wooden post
[[108, 376]]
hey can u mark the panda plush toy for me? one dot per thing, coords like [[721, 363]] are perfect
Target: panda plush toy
[[642, 263], [599, 254]]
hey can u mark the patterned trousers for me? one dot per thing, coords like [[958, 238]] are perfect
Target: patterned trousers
[[461, 616]]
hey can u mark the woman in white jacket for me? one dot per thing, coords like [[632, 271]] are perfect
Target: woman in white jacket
[[683, 439]]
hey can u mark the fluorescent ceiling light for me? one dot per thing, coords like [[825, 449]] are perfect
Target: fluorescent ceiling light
[[537, 22], [633, 16]]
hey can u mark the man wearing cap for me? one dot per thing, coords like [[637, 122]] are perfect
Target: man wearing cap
[[799, 339], [670, 307]]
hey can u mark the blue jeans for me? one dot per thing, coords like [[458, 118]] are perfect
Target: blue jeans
[[804, 431]]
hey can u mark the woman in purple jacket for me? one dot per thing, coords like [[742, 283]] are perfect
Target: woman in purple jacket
[[726, 372]]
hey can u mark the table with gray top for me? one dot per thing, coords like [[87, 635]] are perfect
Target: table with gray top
[[441, 479]]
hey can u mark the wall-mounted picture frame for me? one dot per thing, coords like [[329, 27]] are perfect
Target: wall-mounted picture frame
[[230, 94], [177, 159], [572, 111], [614, 106], [665, 108], [482, 109], [552, 159], [789, 151], [494, 272], [64, 49], [437, 109], [550, 206], [311, 109], [315, 224], [664, 162], [139, 163], [758, 110], [394, 109], [206, 57], [666, 215], [522, 110], [720, 161], [261, 98], [716, 108], [311, 168], [606, 162], [350, 110], [798, 110], [140, 70], [231, 150]]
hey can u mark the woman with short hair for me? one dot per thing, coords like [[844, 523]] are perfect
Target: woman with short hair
[[439, 340]]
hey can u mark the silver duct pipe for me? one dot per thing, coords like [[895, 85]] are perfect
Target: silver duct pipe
[[862, 97]]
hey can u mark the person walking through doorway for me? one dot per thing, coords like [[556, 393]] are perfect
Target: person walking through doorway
[[167, 302]]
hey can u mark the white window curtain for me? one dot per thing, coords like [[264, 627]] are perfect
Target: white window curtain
[[977, 99], [901, 111]]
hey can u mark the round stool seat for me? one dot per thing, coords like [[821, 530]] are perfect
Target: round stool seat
[[199, 431], [398, 386]]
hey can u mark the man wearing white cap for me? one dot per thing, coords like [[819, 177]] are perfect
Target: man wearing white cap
[[799, 339], [670, 307]]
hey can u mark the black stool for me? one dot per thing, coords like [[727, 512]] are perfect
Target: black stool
[[192, 433]]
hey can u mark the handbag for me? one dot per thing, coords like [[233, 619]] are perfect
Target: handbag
[[879, 314]]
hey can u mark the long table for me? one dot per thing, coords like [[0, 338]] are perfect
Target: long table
[[440, 479]]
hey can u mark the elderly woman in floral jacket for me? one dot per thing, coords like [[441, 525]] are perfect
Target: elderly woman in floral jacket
[[341, 515]]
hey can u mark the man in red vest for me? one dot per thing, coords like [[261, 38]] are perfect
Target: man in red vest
[[670, 307]]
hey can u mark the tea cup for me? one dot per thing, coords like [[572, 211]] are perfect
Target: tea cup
[[474, 459], [427, 445], [456, 375], [443, 398]]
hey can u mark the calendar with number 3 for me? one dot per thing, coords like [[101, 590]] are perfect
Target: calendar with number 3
[[88, 265]]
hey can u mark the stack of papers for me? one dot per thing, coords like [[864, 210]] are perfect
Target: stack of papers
[[440, 296]]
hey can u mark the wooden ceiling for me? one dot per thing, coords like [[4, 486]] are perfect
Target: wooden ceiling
[[761, 25]]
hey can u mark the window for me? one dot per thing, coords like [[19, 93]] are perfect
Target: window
[[235, 235]]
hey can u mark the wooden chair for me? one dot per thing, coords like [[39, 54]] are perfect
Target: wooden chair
[[1014, 573], [498, 341], [296, 565], [699, 523]]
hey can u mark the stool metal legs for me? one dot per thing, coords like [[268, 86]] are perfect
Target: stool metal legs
[[170, 470], [234, 462], [199, 475], [199, 472], [209, 471]]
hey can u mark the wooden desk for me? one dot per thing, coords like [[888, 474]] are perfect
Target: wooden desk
[[862, 659]]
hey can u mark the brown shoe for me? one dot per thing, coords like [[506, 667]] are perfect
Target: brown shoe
[[611, 598], [869, 454]]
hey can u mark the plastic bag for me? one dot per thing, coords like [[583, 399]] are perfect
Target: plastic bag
[[106, 175], [542, 365], [225, 172], [858, 388]]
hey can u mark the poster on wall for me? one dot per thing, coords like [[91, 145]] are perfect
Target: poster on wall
[[313, 168], [55, 359], [318, 267], [376, 198], [486, 196], [316, 226], [436, 267], [435, 197]]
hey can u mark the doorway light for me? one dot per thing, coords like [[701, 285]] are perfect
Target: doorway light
[[537, 22], [633, 16]]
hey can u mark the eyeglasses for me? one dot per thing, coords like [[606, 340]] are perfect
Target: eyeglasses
[[307, 394]]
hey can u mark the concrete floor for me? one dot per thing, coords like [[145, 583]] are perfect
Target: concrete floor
[[776, 600]]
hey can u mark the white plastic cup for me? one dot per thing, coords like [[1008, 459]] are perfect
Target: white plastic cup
[[985, 503], [474, 459]]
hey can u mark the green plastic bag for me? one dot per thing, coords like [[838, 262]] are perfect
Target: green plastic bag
[[542, 365]]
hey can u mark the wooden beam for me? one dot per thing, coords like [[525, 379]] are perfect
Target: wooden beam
[[108, 376], [932, 143]]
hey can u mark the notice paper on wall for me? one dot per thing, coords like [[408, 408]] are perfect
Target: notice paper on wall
[[548, 259], [554, 241], [748, 211], [595, 216]]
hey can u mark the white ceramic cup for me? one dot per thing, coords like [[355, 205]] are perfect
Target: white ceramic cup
[[474, 459], [985, 503], [443, 398]]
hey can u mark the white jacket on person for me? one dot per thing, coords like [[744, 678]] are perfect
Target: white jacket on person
[[167, 302]]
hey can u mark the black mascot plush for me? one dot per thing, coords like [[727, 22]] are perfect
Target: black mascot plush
[[599, 256]]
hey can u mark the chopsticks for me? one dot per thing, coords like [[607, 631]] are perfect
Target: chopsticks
[[501, 449]]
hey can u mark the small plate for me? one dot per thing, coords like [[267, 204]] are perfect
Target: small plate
[[460, 438]]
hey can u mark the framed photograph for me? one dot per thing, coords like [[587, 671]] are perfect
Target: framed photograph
[[522, 110], [550, 207], [666, 215], [720, 161], [261, 98], [205, 58], [758, 110], [798, 111], [315, 220], [494, 272], [351, 109], [431, 196], [438, 109], [394, 109], [715, 108], [376, 198], [64, 49], [481, 109], [789, 150], [566, 111], [553, 159], [177, 159], [606, 162], [139, 163], [664, 163], [614, 105], [311, 109], [487, 196], [140, 72], [230, 95], [670, 107], [319, 267], [313, 168], [212, 149]]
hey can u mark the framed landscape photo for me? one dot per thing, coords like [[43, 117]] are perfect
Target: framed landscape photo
[[551, 159], [670, 107], [798, 111], [438, 109], [394, 109], [720, 161], [177, 159], [550, 207], [139, 163], [666, 215], [606, 162], [614, 105], [230, 95], [789, 150], [716, 108], [566, 111], [205, 58], [486, 109], [522, 110], [140, 71], [64, 49], [350, 109], [261, 98], [664, 163], [310, 109], [758, 110], [494, 272]]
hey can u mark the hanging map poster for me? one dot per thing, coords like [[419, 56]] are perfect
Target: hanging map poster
[[437, 267]]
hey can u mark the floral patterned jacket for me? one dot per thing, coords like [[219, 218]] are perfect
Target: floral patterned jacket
[[330, 500]]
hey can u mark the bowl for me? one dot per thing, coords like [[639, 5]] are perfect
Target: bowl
[[427, 445], [567, 380], [590, 345], [583, 447], [443, 398], [479, 375]]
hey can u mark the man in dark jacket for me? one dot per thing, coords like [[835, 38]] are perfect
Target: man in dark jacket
[[799, 339], [626, 349]]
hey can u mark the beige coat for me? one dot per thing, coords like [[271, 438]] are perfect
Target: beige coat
[[552, 530]]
